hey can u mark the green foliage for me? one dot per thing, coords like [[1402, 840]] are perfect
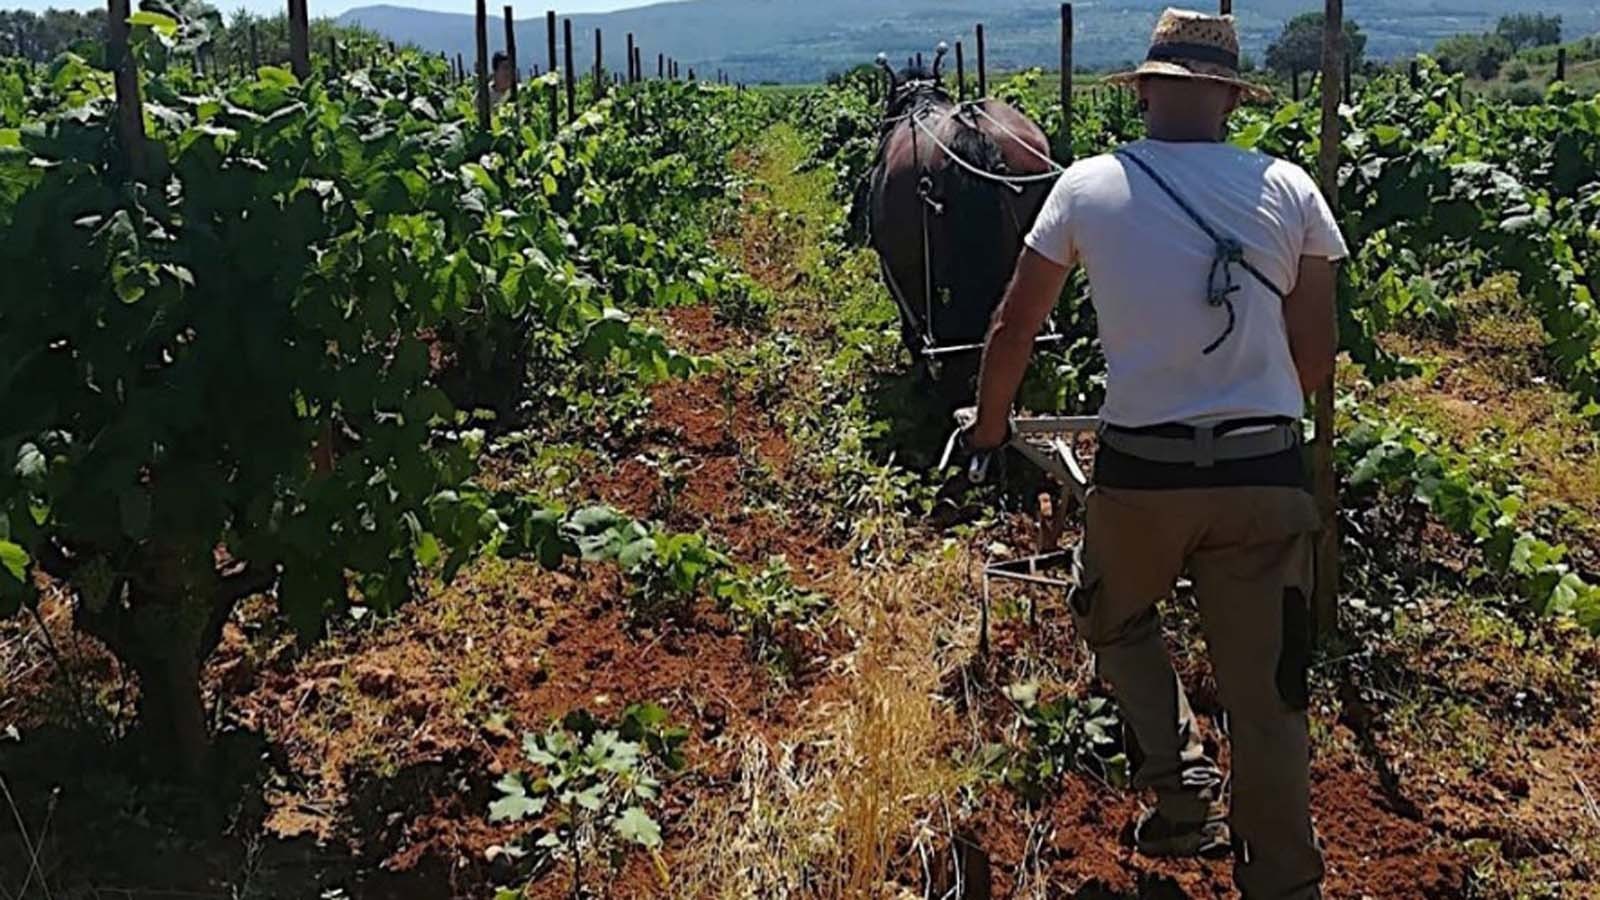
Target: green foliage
[[671, 573], [1479, 55], [1435, 196], [767, 601], [1524, 30], [40, 36], [1524, 95], [592, 785], [262, 344], [1298, 47], [1462, 493], [1065, 734], [666, 571], [1096, 127], [846, 123], [1578, 51]]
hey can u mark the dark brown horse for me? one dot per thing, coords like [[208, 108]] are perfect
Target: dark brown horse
[[954, 190]]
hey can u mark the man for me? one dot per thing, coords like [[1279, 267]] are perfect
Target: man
[[500, 82], [1212, 275]]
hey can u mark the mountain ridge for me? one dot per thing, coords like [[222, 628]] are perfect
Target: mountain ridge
[[769, 40]]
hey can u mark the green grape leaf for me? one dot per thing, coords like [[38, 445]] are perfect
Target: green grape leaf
[[514, 804], [14, 561], [637, 826]]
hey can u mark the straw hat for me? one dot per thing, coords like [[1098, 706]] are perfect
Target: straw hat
[[1188, 44]]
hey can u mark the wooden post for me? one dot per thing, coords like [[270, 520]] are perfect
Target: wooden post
[[919, 62], [638, 65], [961, 73], [461, 69], [130, 111], [630, 57], [555, 89], [299, 40], [661, 66], [691, 75], [599, 69], [1225, 7], [1296, 79], [1561, 64], [1325, 615], [255, 49], [511, 51], [983, 72], [1416, 75], [572, 81], [482, 68], [1064, 139], [333, 55], [1349, 83]]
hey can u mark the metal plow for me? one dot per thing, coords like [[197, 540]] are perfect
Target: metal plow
[[1048, 442]]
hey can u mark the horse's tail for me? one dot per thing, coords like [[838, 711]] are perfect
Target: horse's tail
[[981, 255], [858, 220]]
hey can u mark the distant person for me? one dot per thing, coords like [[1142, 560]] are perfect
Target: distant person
[[1212, 273], [500, 81]]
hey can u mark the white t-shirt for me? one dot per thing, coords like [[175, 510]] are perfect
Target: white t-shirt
[[1148, 264]]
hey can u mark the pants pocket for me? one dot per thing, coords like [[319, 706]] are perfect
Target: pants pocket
[[1294, 659]]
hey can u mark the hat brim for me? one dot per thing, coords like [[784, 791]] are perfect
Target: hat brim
[[1149, 68]]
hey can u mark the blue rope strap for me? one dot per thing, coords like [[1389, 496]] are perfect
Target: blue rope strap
[[1228, 252]]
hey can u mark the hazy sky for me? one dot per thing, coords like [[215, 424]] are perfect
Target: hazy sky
[[334, 7]]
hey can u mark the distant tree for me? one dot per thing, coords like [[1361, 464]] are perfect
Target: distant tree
[[1518, 72], [1525, 95], [1481, 55], [1525, 30], [1299, 47], [232, 41], [40, 36]]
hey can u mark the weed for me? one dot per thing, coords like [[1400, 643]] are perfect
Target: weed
[[593, 783], [766, 601], [1064, 734]]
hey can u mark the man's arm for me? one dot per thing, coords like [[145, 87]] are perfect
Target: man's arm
[[1308, 315], [1030, 297]]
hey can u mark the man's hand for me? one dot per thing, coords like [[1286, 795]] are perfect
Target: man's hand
[[1030, 297]]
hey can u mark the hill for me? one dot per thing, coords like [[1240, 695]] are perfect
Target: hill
[[767, 40]]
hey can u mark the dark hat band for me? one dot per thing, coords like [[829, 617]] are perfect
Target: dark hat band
[[1204, 53]]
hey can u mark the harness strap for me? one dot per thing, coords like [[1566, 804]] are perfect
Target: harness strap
[[1228, 252], [924, 185]]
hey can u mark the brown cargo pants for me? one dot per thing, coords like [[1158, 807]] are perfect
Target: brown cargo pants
[[1248, 551]]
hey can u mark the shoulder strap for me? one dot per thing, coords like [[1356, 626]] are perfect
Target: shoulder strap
[[1228, 249]]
